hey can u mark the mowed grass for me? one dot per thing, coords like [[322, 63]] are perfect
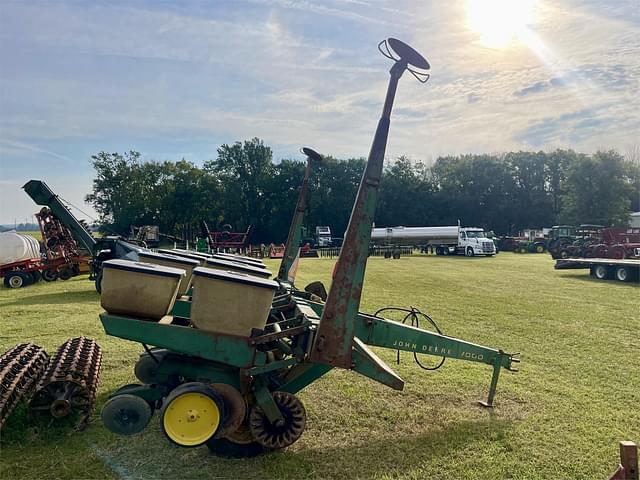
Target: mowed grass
[[560, 417]]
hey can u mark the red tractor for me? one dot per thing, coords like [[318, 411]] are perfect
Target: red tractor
[[617, 243]]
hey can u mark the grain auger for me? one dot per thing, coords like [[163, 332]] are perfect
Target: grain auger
[[226, 372]]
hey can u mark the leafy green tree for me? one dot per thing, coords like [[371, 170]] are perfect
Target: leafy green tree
[[333, 190], [598, 190], [244, 171]]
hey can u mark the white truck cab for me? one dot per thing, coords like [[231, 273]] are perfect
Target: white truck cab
[[323, 236], [473, 241]]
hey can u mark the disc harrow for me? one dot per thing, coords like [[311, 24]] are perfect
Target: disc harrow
[[20, 369], [70, 383]]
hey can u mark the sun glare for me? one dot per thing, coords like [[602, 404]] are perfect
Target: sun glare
[[500, 22]]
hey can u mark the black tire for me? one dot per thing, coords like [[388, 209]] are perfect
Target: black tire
[[145, 368], [438, 251], [49, 275], [17, 280], [625, 274], [468, 252], [65, 274], [126, 414], [564, 253], [396, 255], [539, 248], [30, 278], [37, 276], [153, 404], [99, 282], [601, 272], [445, 251]]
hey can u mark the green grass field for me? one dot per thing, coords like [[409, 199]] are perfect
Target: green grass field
[[560, 417]]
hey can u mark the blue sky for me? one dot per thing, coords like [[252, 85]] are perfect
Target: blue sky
[[177, 79]]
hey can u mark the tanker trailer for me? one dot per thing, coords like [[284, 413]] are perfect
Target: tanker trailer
[[447, 240], [20, 259]]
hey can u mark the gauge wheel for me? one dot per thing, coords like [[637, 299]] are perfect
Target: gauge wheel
[[126, 414], [192, 414]]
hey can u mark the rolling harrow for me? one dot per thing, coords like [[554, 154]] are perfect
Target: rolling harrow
[[63, 385], [70, 383], [20, 369]]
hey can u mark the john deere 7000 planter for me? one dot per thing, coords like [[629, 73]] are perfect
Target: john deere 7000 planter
[[226, 367]]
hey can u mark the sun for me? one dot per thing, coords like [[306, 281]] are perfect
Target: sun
[[500, 22]]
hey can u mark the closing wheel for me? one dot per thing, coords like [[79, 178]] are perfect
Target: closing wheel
[[192, 414], [126, 414], [279, 436]]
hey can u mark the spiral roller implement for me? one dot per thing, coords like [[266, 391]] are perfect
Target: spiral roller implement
[[20, 369], [70, 383]]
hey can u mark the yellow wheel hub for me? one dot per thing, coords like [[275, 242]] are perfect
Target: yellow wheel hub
[[191, 419]]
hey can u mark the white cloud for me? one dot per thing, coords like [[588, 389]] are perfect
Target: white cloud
[[173, 81]]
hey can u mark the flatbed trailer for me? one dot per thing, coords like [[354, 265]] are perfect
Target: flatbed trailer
[[624, 270]]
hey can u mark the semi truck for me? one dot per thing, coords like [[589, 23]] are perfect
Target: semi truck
[[448, 240]]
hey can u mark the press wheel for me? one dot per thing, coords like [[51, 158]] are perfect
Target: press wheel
[[279, 436], [192, 414], [126, 414]]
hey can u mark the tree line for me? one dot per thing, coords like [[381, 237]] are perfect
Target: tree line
[[243, 187]]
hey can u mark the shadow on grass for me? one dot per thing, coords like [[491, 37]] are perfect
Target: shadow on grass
[[58, 298], [387, 456], [585, 277], [21, 428]]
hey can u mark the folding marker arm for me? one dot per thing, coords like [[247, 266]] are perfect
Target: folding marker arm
[[380, 332]]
